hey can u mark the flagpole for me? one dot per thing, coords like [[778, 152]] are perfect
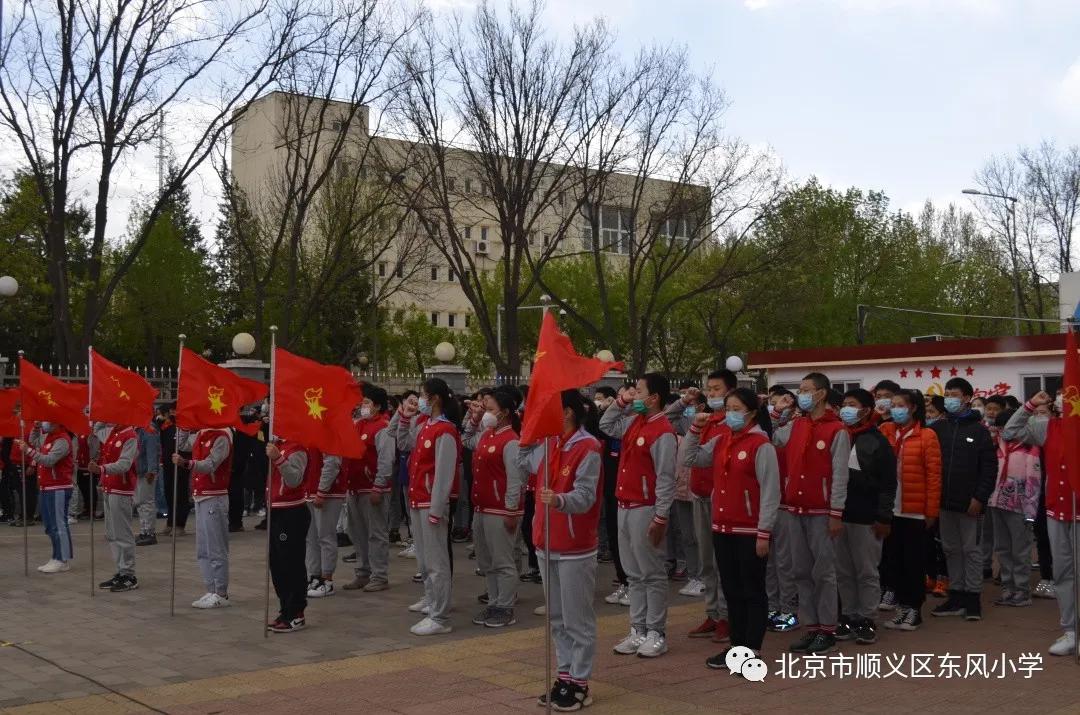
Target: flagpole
[[1075, 527], [269, 491], [93, 487], [25, 525], [547, 557], [175, 483]]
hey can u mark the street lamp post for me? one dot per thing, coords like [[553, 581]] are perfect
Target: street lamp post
[[1010, 213]]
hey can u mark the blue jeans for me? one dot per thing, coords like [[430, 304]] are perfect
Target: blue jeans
[[54, 510]]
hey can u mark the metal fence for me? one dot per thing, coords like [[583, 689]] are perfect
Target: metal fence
[[162, 378], [398, 382]]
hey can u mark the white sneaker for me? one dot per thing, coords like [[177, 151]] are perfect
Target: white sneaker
[[211, 600], [47, 565], [616, 596], [1065, 645], [72, 520], [409, 552], [694, 588], [428, 627], [55, 567], [420, 606], [540, 610], [322, 590], [654, 645], [630, 644], [624, 599]]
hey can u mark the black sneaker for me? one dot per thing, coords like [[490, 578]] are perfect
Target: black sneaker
[[555, 688], [973, 607], [844, 631], [953, 606], [349, 558], [460, 536], [394, 536], [125, 583], [107, 585], [718, 661], [500, 617], [571, 698], [532, 576], [343, 539], [864, 631], [484, 598], [821, 643], [803, 644], [482, 616], [912, 620], [235, 528], [145, 540]]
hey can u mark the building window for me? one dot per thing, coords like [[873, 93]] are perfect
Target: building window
[[483, 233], [399, 271], [466, 320], [451, 184], [435, 319], [1034, 384], [468, 186], [468, 232], [675, 230], [616, 230], [382, 269], [337, 125], [450, 275], [450, 320], [434, 273]]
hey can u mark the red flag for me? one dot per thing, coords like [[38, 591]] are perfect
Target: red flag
[[44, 398], [119, 396], [556, 367], [313, 405], [9, 421], [1070, 397], [211, 396]]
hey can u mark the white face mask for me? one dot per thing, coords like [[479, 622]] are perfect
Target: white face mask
[[488, 421], [365, 412], [1059, 404]]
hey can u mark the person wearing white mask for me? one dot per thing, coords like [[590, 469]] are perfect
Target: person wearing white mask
[[50, 449]]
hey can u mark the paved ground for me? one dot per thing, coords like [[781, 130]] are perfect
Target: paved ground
[[63, 651]]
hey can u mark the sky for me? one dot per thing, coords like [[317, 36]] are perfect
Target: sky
[[910, 97]]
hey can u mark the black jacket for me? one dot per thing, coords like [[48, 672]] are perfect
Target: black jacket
[[969, 463], [871, 491]]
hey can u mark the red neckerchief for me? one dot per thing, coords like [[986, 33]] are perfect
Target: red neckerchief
[[1003, 456], [859, 429]]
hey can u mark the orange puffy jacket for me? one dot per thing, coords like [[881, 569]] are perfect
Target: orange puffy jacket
[[920, 469]]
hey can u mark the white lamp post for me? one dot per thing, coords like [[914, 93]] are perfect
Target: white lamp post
[[734, 363], [8, 286], [243, 344]]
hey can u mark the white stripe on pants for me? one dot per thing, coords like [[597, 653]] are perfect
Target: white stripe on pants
[[118, 532], [1061, 548], [146, 504], [367, 525], [813, 559], [573, 620], [963, 556], [779, 574], [1012, 544], [645, 570], [212, 542], [858, 553], [321, 557], [433, 563], [495, 557], [715, 605]]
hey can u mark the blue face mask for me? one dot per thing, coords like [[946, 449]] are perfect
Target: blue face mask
[[954, 405], [424, 406], [715, 403], [900, 415], [735, 420], [931, 420], [849, 415], [689, 412], [806, 401], [639, 407], [46, 427]]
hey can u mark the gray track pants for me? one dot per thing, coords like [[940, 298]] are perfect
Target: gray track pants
[[645, 570], [963, 555], [715, 605], [1061, 547], [1012, 544], [813, 558], [370, 536], [779, 573], [495, 557], [433, 562], [573, 620], [118, 532], [146, 504], [321, 557], [858, 553], [212, 542]]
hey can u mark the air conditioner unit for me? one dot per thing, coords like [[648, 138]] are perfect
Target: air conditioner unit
[[930, 338], [481, 248]]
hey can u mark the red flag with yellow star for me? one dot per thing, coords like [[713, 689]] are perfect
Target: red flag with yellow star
[[313, 404], [47, 399], [1070, 398], [119, 396], [209, 395], [556, 367]]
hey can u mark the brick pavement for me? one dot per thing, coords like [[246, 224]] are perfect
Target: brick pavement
[[59, 649]]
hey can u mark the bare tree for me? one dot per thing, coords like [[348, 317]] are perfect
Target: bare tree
[[495, 105], [1054, 179], [82, 87]]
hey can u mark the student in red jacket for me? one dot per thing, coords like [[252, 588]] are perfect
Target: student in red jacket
[[116, 464], [52, 453], [745, 500], [289, 522], [573, 498]]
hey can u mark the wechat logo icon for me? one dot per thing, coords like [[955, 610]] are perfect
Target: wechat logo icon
[[740, 660]]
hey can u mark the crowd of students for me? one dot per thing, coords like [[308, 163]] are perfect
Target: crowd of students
[[806, 509]]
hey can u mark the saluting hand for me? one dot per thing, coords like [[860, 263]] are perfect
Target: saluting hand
[[1041, 398], [701, 419]]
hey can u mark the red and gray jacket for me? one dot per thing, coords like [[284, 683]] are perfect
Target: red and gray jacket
[[576, 478], [54, 459], [287, 476], [374, 471], [701, 478], [746, 479], [1050, 435], [117, 459], [211, 462], [817, 452], [497, 479], [647, 462], [434, 467]]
